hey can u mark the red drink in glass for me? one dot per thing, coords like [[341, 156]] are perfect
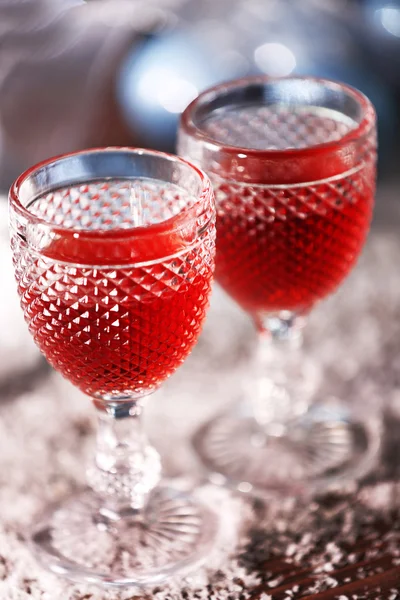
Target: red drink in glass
[[287, 249], [113, 252], [289, 229], [114, 331], [293, 164]]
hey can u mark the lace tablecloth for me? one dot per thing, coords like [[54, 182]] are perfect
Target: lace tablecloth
[[341, 547]]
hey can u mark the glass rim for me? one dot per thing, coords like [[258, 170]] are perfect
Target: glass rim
[[190, 128], [204, 195]]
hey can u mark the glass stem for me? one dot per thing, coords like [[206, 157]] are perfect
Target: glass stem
[[126, 467], [281, 385]]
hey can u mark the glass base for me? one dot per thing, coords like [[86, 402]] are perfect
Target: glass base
[[321, 451], [172, 535]]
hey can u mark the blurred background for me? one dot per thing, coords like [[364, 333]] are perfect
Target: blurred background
[[76, 74]]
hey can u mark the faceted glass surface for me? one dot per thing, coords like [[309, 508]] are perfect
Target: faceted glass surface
[[109, 205], [114, 330], [293, 164], [276, 127], [284, 247]]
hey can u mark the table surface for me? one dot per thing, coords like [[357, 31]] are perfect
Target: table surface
[[343, 546]]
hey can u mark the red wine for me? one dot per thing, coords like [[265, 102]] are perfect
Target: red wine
[[286, 248], [116, 331]]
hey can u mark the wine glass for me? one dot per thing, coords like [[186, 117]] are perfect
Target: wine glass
[[293, 164], [113, 252]]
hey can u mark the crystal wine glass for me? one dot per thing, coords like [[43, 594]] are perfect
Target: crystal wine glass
[[114, 252], [293, 164]]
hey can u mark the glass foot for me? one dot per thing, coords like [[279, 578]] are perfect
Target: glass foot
[[171, 535], [321, 451]]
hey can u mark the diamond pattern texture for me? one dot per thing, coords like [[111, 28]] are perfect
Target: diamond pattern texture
[[276, 127], [105, 205], [284, 248], [113, 331]]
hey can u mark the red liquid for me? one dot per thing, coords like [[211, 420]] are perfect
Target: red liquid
[[285, 249], [282, 242], [115, 331]]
